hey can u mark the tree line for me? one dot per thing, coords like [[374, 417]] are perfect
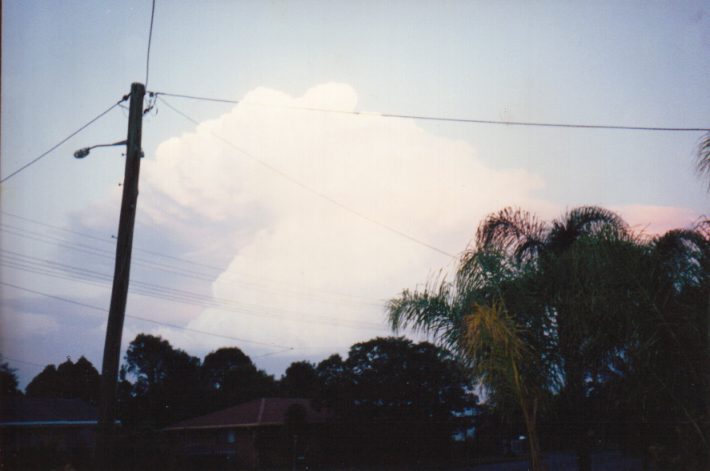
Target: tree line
[[582, 333], [391, 399]]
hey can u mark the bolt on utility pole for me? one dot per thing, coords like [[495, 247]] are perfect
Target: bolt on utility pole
[[119, 293]]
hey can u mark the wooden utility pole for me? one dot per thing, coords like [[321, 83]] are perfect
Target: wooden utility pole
[[117, 311]]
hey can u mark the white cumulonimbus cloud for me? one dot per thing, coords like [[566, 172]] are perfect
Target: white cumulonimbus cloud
[[298, 200]]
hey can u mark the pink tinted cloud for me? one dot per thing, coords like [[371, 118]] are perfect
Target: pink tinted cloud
[[654, 220]]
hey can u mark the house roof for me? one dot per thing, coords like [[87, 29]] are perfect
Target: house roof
[[31, 411], [256, 413]]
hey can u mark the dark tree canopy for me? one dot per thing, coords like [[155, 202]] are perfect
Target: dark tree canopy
[[398, 378], [331, 371], [221, 364], [69, 380], [155, 364], [300, 380], [167, 381], [395, 399], [8, 381], [230, 377], [45, 384]]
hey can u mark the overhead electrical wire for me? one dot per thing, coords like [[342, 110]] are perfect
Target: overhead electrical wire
[[445, 118], [150, 40], [254, 310], [15, 360], [58, 228], [47, 152], [310, 189], [35, 263], [160, 96], [98, 252], [214, 270], [102, 240], [317, 296], [144, 319], [67, 272], [105, 240]]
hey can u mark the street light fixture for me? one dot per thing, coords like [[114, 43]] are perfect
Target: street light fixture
[[83, 152]]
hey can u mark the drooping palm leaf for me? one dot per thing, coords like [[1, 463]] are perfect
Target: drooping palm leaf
[[702, 159], [579, 222], [511, 231]]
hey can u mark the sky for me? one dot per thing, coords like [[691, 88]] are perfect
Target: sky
[[264, 224]]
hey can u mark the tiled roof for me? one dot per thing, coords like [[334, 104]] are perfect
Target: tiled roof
[[45, 411], [259, 412]]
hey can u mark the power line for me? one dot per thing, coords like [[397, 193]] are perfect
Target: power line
[[105, 241], [44, 154], [166, 324], [200, 98], [312, 190], [216, 269], [59, 228], [447, 119], [65, 272], [150, 38], [317, 296], [184, 297], [98, 252], [15, 360]]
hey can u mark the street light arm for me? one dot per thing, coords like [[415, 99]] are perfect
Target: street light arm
[[83, 152]]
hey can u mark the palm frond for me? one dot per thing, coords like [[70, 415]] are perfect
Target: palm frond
[[683, 255], [429, 311], [702, 159], [583, 221], [508, 230]]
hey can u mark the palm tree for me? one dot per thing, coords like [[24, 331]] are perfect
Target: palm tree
[[674, 353], [530, 274], [568, 257], [495, 346], [533, 302], [503, 346]]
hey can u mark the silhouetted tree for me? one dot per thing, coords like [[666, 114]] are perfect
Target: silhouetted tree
[[8, 381], [332, 379], [167, 381], [81, 380], [69, 380], [230, 377], [220, 364], [45, 384], [300, 380], [331, 371], [658, 386], [401, 399]]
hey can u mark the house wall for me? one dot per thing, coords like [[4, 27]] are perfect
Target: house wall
[[61, 438], [200, 449], [46, 447], [251, 448]]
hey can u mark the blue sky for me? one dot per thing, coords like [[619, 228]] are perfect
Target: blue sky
[[298, 270]]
